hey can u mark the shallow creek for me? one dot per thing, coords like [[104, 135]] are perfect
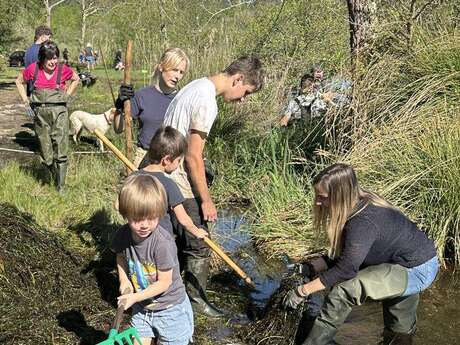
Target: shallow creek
[[438, 313]]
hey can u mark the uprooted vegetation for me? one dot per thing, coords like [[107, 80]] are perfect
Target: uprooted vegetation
[[46, 296]]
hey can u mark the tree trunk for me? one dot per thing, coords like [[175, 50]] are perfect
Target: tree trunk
[[360, 13], [83, 29], [48, 16]]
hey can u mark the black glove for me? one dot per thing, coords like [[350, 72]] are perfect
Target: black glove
[[300, 268], [293, 298], [310, 268], [125, 92]]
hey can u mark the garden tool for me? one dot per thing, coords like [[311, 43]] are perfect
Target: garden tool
[[123, 338], [208, 241]]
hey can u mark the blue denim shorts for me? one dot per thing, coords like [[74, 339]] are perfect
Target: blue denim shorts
[[172, 326], [421, 276]]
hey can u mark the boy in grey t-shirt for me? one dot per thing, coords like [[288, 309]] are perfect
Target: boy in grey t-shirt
[[148, 267]]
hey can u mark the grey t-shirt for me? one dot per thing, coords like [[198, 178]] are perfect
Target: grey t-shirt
[[158, 252], [172, 193]]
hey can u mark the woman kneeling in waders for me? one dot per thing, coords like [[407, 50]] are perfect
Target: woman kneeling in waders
[[47, 106], [376, 252]]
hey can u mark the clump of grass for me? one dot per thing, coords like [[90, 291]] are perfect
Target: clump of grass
[[405, 139], [91, 186]]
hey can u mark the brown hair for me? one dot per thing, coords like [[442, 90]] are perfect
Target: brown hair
[[42, 30], [341, 185], [142, 197], [167, 141], [250, 67]]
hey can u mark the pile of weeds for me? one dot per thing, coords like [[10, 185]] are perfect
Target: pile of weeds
[[46, 299], [279, 326]]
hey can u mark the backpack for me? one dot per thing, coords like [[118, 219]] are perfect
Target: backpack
[[31, 83]]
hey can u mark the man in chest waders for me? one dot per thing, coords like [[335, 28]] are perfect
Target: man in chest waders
[[47, 106]]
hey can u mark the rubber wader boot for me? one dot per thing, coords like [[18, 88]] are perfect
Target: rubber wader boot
[[195, 278], [320, 334], [393, 338], [61, 171]]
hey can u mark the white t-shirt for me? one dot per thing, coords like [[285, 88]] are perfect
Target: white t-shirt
[[194, 107]]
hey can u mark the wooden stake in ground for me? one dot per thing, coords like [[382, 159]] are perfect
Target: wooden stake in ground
[[127, 104]]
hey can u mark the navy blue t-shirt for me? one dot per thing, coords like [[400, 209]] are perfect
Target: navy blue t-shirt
[[149, 106], [31, 54], [172, 193]]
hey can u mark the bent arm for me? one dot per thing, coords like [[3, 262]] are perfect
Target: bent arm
[[161, 285], [20, 85], [187, 222], [73, 85]]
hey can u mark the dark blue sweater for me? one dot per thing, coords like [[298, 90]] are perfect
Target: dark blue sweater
[[374, 236], [149, 106]]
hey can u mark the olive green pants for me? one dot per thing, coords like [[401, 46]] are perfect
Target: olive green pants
[[52, 129], [386, 283]]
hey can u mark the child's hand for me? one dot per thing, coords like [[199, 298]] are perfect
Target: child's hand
[[126, 288], [201, 233], [127, 300]]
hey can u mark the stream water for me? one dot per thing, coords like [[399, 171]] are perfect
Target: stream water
[[438, 312]]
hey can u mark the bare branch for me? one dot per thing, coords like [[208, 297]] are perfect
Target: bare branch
[[241, 3], [56, 3]]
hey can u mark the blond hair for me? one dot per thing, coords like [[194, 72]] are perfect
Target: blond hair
[[170, 59], [141, 197], [344, 195]]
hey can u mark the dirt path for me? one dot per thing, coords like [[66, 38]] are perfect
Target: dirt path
[[16, 130]]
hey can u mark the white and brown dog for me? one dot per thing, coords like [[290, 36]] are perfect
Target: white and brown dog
[[83, 120]]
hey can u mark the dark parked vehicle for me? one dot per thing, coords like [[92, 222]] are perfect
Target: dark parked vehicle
[[17, 58]]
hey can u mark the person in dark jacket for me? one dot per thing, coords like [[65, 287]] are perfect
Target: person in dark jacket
[[376, 253]]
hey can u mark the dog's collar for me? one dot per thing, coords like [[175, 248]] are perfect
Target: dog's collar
[[106, 119]]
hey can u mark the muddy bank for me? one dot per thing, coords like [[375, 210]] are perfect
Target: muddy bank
[[50, 295], [46, 298], [16, 129]]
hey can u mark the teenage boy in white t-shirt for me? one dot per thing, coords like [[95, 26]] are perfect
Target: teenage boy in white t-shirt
[[192, 112]]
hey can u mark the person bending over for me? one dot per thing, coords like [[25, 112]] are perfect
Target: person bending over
[[192, 112], [377, 253]]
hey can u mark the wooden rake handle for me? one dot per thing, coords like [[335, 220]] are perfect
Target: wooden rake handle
[[114, 149], [119, 315], [208, 241], [229, 261]]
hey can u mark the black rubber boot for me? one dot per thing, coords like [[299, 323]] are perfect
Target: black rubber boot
[[393, 338], [320, 334], [195, 279], [60, 174]]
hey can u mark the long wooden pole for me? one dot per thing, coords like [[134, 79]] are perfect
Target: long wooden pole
[[229, 261], [127, 104], [208, 241], [115, 150]]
